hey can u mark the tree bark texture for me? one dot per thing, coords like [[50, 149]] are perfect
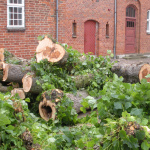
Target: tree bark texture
[[14, 73], [130, 72], [30, 84], [47, 107], [4, 89]]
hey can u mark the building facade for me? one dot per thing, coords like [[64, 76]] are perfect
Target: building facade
[[86, 25]]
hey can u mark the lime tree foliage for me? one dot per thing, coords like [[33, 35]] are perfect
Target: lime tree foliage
[[119, 119]]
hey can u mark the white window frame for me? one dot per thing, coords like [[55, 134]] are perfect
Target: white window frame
[[23, 15], [148, 20]]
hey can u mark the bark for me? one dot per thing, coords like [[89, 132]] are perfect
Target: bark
[[4, 88], [132, 73], [1, 65], [14, 73], [47, 107], [1, 75], [30, 84], [18, 91]]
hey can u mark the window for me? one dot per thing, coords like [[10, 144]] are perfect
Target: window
[[107, 30], [130, 12], [15, 14], [148, 21], [74, 29]]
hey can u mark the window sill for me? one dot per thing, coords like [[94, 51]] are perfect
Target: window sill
[[74, 36], [16, 29], [148, 32], [107, 36]]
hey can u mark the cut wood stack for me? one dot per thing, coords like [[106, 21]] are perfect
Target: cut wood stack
[[55, 53]]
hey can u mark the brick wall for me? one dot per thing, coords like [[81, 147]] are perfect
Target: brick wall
[[39, 20]]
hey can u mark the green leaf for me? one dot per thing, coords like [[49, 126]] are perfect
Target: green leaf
[[128, 105], [136, 112], [145, 145], [140, 134], [4, 120], [144, 122], [118, 105], [122, 134]]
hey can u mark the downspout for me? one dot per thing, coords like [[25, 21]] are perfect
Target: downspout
[[115, 29], [57, 20]]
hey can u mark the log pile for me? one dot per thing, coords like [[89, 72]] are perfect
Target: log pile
[[55, 53]]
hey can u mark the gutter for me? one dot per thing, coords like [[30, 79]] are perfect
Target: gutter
[[115, 28], [57, 20]]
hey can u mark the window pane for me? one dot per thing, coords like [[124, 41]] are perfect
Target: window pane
[[19, 10], [148, 15], [20, 22], [130, 12], [15, 16], [19, 1], [15, 1], [20, 16], [10, 9], [10, 22], [10, 16], [148, 25], [15, 9], [15, 22], [10, 1]]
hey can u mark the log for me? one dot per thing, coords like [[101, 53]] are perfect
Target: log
[[1, 65], [47, 107], [132, 73], [4, 89], [30, 84], [144, 71], [14, 73], [2, 55], [18, 91], [50, 51], [1, 75]]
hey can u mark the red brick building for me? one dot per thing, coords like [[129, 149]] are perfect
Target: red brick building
[[86, 25]]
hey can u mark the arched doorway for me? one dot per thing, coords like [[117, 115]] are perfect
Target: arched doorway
[[130, 35], [90, 36]]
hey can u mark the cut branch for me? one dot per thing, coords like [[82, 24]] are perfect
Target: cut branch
[[18, 91], [30, 84]]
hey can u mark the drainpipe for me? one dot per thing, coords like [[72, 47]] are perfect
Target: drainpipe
[[115, 29], [57, 20]]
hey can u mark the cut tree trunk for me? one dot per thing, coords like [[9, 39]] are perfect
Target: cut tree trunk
[[14, 73], [132, 73], [1, 75], [47, 107], [50, 51], [30, 84], [1, 55], [4, 89], [18, 91], [1, 65]]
